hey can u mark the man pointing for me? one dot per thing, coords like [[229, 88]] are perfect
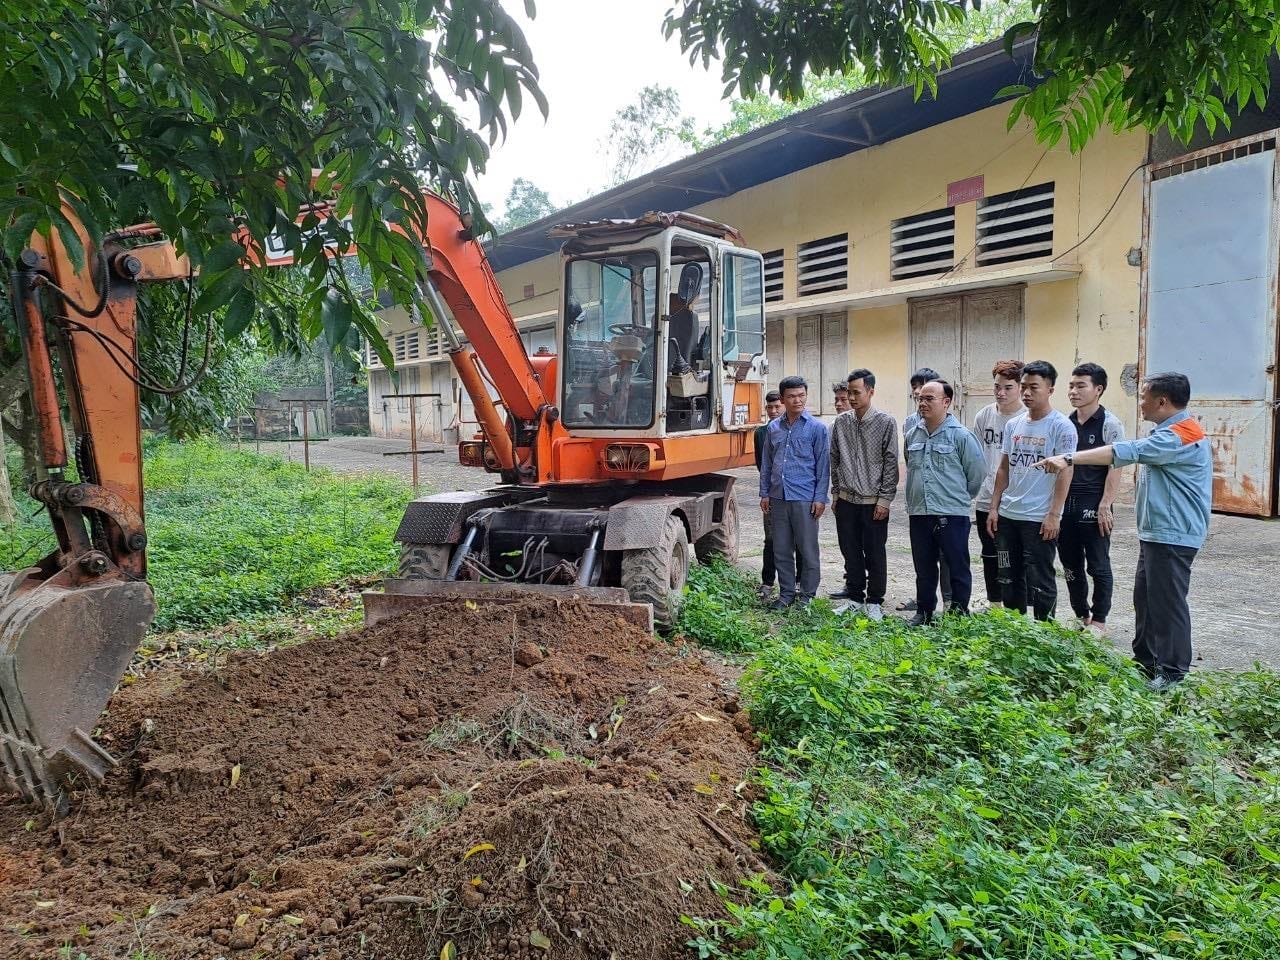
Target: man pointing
[[1175, 497]]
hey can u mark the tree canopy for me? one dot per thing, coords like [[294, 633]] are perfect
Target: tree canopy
[[209, 116], [1141, 63]]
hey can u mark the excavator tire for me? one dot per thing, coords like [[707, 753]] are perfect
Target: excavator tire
[[424, 561], [723, 540], [657, 575]]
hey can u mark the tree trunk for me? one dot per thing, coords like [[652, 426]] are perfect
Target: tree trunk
[[8, 509]]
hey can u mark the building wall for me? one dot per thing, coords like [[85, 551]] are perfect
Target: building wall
[[1092, 316]]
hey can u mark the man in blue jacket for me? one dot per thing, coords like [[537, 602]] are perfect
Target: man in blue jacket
[[795, 484], [945, 469], [1175, 498]]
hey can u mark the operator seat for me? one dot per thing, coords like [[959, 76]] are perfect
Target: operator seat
[[683, 325]]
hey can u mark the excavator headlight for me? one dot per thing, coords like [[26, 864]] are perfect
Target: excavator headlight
[[471, 453], [627, 458]]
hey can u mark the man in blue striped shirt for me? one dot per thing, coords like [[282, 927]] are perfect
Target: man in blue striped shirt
[[795, 485]]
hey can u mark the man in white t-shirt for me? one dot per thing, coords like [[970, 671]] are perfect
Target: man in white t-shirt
[[1026, 503], [988, 428]]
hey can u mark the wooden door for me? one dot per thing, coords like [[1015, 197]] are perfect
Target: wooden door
[[834, 361], [809, 357], [991, 330]]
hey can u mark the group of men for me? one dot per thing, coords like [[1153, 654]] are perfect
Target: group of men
[[1039, 485]]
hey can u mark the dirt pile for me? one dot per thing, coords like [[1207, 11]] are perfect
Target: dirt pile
[[534, 781]]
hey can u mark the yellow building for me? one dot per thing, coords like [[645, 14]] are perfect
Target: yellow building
[[901, 233]]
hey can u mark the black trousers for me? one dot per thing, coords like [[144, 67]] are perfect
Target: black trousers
[[990, 559], [934, 538], [1026, 567], [1086, 555], [862, 544], [768, 570], [1162, 619]]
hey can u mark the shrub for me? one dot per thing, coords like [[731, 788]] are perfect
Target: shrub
[[994, 787]]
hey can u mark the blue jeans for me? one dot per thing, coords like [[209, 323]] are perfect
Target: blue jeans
[[937, 537]]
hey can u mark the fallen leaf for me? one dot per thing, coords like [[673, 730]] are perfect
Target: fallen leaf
[[235, 776], [448, 951], [293, 920], [539, 939], [29, 825], [471, 605], [704, 789], [522, 865], [591, 731], [476, 881], [686, 887], [704, 718], [242, 919], [44, 904], [478, 848]]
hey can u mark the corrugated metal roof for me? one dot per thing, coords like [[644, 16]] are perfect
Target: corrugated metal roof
[[833, 129]]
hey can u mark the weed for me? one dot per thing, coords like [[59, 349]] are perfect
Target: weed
[[994, 787], [233, 535]]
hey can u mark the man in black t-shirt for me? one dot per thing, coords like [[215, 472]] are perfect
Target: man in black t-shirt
[[1084, 543]]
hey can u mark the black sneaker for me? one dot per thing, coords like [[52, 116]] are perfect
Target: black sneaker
[[840, 594], [779, 605], [906, 606], [921, 619]]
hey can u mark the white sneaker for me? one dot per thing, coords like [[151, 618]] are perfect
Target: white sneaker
[[1098, 629], [873, 611], [848, 609]]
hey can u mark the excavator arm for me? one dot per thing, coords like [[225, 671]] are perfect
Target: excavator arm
[[70, 625]]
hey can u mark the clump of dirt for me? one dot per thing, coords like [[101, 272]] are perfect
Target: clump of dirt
[[534, 780]]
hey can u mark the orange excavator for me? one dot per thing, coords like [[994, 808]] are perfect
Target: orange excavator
[[606, 452]]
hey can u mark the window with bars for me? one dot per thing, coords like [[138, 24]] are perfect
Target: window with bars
[[923, 244], [822, 265], [1016, 226], [773, 276]]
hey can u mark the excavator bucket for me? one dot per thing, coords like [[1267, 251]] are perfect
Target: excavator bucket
[[63, 649], [400, 596]]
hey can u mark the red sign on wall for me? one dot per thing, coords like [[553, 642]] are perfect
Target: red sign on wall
[[965, 191]]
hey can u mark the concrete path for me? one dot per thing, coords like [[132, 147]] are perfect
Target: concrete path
[[1235, 588]]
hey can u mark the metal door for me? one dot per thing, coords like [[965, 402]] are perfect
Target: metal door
[[991, 331], [835, 358], [1210, 308]]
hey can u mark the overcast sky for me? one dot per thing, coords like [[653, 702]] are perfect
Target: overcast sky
[[593, 56]]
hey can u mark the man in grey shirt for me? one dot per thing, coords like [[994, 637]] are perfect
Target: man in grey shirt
[[944, 470], [1027, 503], [864, 481]]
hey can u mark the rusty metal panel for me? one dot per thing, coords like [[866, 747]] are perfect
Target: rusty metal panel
[[1211, 312]]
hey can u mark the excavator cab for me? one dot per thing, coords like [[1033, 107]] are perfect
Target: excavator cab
[[660, 329]]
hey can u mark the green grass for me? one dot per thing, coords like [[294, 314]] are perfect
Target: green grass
[[995, 788], [233, 535]]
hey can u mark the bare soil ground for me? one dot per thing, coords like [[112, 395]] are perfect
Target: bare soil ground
[[535, 781]]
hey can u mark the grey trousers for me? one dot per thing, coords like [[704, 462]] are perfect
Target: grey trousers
[[795, 530], [1162, 619]]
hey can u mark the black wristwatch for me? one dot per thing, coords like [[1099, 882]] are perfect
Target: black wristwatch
[[1069, 457]]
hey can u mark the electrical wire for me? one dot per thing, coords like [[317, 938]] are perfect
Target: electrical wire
[[104, 282], [1099, 224]]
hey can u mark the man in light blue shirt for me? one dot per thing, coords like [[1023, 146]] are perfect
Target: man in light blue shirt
[[945, 468], [1175, 498], [795, 484]]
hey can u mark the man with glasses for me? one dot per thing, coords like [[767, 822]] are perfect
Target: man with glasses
[[944, 471]]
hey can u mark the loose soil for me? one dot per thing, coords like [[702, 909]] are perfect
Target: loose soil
[[537, 780]]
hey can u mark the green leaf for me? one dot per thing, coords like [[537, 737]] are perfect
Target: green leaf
[[987, 813], [218, 289], [223, 257], [239, 313], [336, 317]]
